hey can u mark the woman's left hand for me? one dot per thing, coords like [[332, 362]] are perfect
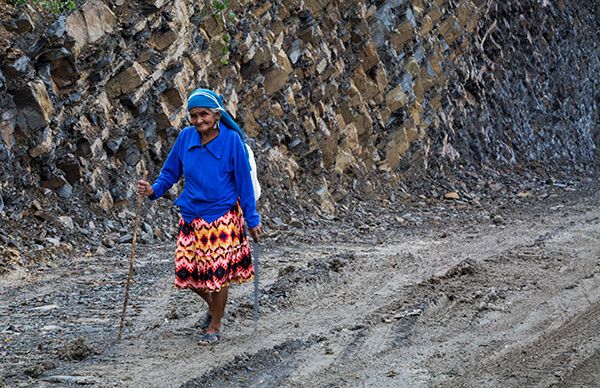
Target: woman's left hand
[[255, 232]]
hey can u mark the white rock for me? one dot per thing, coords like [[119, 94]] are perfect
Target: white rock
[[67, 222], [71, 379], [47, 307], [53, 240], [51, 328]]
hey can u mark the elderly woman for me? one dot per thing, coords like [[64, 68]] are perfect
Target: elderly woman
[[212, 249]]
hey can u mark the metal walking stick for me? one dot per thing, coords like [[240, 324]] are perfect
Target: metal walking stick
[[256, 294], [131, 260]]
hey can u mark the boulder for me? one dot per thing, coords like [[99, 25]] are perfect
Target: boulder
[[126, 81], [67, 222], [171, 100], [53, 181], [106, 201], [366, 87], [24, 24], [277, 76], [396, 99], [450, 29], [151, 6], [35, 107], [452, 195], [325, 200], [370, 57], [90, 23], [8, 120], [163, 39], [62, 67], [396, 148], [403, 35], [71, 167], [45, 143]]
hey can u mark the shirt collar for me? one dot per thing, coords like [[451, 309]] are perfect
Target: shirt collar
[[215, 146]]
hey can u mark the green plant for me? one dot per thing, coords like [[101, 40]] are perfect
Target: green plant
[[226, 48], [225, 53], [220, 6], [54, 6]]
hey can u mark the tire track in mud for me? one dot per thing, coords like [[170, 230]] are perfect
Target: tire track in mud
[[350, 347], [267, 367], [585, 374], [560, 354]]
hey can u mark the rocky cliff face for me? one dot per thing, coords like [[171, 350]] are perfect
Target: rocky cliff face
[[340, 97]]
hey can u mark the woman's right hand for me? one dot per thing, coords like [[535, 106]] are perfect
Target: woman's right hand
[[144, 188]]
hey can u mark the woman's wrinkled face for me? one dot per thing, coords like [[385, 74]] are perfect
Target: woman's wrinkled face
[[203, 119]]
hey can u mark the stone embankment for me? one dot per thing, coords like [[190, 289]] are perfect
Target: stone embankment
[[343, 101]]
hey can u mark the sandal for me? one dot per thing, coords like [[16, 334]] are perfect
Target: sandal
[[209, 338], [204, 325]]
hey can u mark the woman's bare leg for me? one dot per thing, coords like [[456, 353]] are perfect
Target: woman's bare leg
[[207, 296], [219, 300]]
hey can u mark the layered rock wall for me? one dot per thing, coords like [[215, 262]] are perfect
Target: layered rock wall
[[333, 93]]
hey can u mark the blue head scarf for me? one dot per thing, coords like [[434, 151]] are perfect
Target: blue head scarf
[[205, 98]]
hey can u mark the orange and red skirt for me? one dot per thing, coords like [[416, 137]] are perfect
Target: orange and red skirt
[[212, 255]]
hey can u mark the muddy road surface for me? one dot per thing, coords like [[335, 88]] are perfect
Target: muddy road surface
[[459, 299]]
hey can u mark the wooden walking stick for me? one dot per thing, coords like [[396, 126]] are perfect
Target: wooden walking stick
[[131, 260]]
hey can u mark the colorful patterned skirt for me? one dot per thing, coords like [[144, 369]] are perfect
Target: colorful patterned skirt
[[212, 255]]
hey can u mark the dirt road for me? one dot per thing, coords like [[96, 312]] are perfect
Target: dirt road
[[455, 301]]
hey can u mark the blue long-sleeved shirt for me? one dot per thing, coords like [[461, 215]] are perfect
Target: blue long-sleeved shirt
[[216, 175]]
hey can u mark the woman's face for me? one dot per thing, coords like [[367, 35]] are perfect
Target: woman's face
[[203, 119]]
